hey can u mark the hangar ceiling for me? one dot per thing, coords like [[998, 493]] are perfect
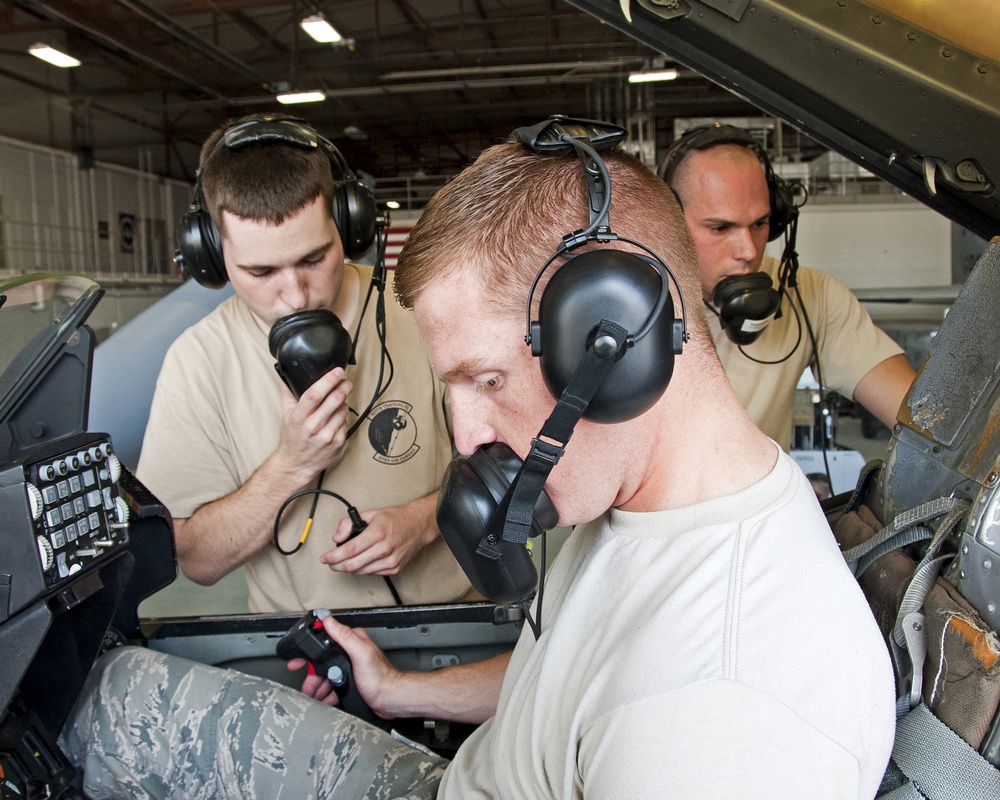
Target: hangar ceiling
[[417, 86]]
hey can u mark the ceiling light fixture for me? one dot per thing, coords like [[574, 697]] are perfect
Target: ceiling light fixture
[[648, 76], [300, 97], [320, 30], [50, 54]]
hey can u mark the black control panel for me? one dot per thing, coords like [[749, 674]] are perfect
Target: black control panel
[[65, 512]]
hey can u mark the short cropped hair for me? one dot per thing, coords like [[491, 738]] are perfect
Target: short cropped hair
[[733, 152], [504, 216], [267, 181]]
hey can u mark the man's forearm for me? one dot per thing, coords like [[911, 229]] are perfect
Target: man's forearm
[[465, 693], [883, 389], [222, 535]]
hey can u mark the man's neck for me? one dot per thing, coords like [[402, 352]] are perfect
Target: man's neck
[[348, 301]]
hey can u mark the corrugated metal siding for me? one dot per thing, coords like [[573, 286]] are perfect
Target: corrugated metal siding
[[105, 220]]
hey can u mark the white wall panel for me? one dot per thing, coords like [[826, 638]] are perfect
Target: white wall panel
[[875, 245]]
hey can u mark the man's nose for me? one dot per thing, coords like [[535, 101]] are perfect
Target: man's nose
[[744, 246], [469, 425], [295, 291]]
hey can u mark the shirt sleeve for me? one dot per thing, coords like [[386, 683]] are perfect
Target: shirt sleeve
[[849, 343], [185, 459]]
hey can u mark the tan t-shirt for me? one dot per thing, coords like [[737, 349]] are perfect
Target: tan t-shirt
[[849, 345], [215, 418]]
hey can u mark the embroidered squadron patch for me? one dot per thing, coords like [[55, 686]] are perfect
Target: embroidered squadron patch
[[393, 432]]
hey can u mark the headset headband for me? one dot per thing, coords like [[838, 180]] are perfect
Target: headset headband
[[278, 129], [705, 136]]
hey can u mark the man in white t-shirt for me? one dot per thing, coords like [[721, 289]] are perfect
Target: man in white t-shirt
[[701, 635]]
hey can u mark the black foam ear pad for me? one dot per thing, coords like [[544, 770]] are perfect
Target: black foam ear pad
[[199, 249], [355, 215], [619, 287], [746, 305], [307, 345], [783, 208], [471, 491]]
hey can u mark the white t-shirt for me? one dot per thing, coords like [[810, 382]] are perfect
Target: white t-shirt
[[722, 650], [849, 344]]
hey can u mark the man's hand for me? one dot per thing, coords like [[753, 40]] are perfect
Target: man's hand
[[462, 693], [314, 427], [223, 534], [374, 676], [393, 537]]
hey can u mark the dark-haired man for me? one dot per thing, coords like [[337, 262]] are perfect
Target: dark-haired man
[[228, 443]]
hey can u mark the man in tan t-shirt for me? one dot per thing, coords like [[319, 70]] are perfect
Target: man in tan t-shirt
[[734, 204], [228, 443]]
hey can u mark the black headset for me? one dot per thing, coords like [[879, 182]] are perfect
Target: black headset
[[602, 285], [306, 345], [606, 338], [745, 304], [199, 246], [781, 192], [472, 489]]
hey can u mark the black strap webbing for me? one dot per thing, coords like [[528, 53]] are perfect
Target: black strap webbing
[[513, 516]]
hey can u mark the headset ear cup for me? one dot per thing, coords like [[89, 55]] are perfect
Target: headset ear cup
[[307, 345], [199, 249], [783, 208], [471, 492], [355, 215], [621, 288], [746, 304]]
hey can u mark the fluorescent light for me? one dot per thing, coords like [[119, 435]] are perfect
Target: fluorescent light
[[300, 97], [53, 56], [653, 75], [320, 30]]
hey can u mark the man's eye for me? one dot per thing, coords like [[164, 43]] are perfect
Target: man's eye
[[489, 384]]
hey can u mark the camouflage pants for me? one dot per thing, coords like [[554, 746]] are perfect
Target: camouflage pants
[[148, 725]]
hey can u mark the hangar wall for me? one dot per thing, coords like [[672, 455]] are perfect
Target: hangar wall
[[117, 224], [102, 219]]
